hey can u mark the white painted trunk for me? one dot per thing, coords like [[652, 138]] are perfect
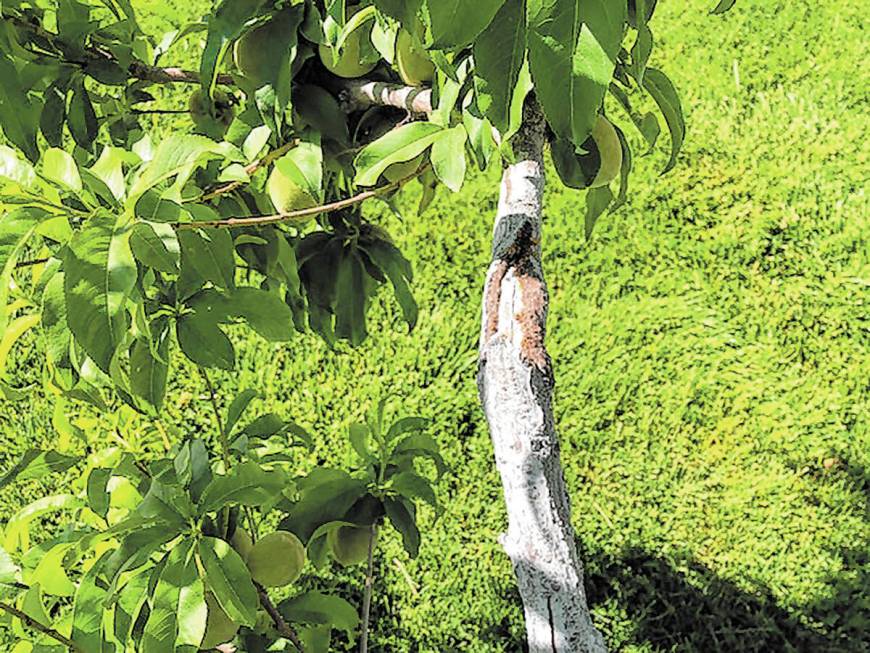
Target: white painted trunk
[[515, 380]]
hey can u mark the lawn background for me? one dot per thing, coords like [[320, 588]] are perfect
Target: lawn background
[[712, 352]]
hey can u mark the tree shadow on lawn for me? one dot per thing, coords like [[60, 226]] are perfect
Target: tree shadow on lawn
[[694, 610]]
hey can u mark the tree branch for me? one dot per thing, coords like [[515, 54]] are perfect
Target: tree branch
[[45, 630], [261, 220], [358, 94], [354, 94], [283, 627]]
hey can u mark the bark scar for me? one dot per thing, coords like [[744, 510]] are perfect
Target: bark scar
[[518, 252]]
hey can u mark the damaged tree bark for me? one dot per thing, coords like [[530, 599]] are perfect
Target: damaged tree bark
[[515, 380]]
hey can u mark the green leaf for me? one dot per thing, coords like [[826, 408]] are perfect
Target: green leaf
[[247, 484], [398, 145], [358, 434], [572, 53], [210, 254], [51, 574], [665, 95], [404, 521], [98, 495], [350, 300], [16, 228], [303, 165], [319, 108], [405, 11], [397, 268], [18, 115], [325, 496], [192, 614], [499, 53], [16, 528], [155, 244], [109, 169], [99, 275], [53, 115], [457, 22], [723, 6], [81, 117], [60, 167], [149, 368], [237, 408], [265, 312], [203, 342], [14, 168], [229, 579], [161, 631], [448, 157], [414, 486], [318, 608], [88, 608], [597, 201], [407, 425], [35, 463], [131, 600], [177, 156], [8, 569]]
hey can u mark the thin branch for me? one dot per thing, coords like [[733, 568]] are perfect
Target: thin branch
[[225, 448], [367, 594], [32, 262], [260, 220], [250, 169], [45, 630], [283, 627], [158, 112]]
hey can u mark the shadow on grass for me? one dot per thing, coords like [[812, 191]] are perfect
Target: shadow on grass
[[693, 610]]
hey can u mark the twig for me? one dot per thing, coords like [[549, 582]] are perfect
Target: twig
[[32, 262], [158, 112], [367, 594], [250, 169], [283, 627], [45, 630], [217, 416], [260, 220]]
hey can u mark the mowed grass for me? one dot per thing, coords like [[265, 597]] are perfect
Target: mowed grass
[[712, 350]]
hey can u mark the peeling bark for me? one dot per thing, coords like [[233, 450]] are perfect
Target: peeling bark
[[515, 380]]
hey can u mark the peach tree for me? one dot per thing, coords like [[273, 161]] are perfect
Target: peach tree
[[130, 254]]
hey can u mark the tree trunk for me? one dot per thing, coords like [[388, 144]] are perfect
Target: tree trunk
[[515, 380]]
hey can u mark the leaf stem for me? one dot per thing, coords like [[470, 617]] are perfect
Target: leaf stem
[[367, 593], [45, 630], [283, 627]]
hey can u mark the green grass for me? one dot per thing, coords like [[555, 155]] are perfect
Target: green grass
[[712, 351]]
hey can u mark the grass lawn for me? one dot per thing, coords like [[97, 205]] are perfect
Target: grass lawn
[[712, 352]]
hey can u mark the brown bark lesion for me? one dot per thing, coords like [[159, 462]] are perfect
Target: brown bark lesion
[[520, 255]]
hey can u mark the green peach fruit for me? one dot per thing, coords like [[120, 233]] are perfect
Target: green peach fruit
[[276, 559], [286, 195], [415, 67], [609, 151], [350, 544]]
